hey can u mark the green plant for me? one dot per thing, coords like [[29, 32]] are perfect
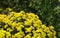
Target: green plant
[[45, 9], [24, 25]]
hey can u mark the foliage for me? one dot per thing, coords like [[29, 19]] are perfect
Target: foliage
[[47, 10], [24, 25]]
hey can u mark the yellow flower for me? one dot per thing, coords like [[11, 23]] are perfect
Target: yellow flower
[[27, 22], [43, 34], [8, 34], [9, 22], [29, 29], [19, 34], [14, 24], [22, 12], [18, 19], [13, 36], [9, 29], [54, 32], [19, 28], [39, 30], [27, 36], [51, 27], [5, 26], [12, 18], [35, 35], [2, 33], [39, 37], [36, 16], [55, 37], [9, 9], [43, 26]]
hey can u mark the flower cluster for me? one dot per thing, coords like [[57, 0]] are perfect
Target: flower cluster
[[24, 25]]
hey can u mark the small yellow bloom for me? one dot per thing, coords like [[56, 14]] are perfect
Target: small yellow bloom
[[51, 27], [55, 37], [13, 36], [5, 26], [9, 9], [27, 36], [29, 29]]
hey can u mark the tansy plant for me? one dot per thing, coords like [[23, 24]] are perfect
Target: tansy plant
[[24, 25]]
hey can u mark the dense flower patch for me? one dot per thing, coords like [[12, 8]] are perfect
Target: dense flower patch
[[24, 25]]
